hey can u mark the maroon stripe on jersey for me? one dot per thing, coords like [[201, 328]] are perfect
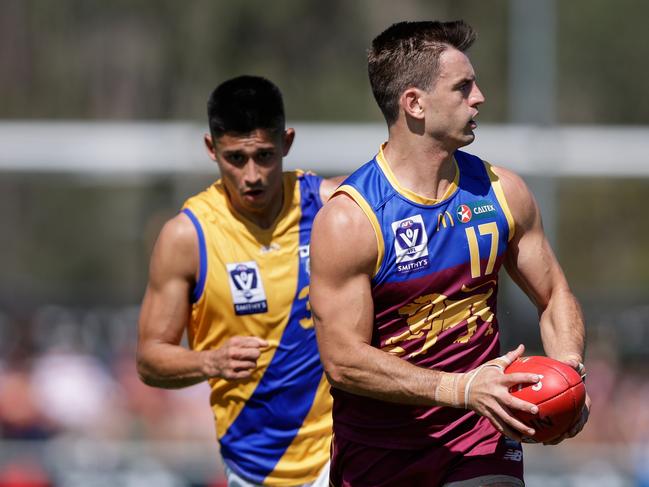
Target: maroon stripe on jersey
[[438, 321], [434, 322]]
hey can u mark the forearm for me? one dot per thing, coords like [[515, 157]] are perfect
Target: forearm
[[367, 371], [170, 366], [562, 327]]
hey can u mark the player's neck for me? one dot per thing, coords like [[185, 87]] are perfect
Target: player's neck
[[265, 217], [421, 165]]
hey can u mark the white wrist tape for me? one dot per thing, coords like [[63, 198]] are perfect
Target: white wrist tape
[[455, 389], [446, 392]]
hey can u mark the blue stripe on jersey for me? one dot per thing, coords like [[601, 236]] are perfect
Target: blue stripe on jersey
[[310, 183], [448, 248], [197, 292], [445, 249], [473, 174], [276, 410]]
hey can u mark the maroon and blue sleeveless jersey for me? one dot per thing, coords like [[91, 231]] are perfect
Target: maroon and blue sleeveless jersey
[[434, 293]]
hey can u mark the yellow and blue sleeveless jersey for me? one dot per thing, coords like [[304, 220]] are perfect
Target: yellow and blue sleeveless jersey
[[434, 292], [275, 427]]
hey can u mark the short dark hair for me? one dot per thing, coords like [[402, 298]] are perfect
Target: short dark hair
[[244, 104], [407, 54]]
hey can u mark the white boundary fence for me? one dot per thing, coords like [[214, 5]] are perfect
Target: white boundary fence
[[134, 148]]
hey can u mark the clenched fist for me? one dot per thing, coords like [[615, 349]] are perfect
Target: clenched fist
[[235, 359]]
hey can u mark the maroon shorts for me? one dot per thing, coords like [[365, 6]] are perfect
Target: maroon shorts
[[354, 464]]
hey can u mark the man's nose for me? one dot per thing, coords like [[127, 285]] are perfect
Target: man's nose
[[477, 98], [251, 172]]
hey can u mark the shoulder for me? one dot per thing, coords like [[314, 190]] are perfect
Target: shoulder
[[519, 198], [344, 236], [176, 248], [179, 231], [342, 209]]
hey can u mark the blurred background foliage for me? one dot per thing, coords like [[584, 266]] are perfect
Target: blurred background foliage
[[142, 59], [85, 241]]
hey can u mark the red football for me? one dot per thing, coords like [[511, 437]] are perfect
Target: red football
[[560, 396]]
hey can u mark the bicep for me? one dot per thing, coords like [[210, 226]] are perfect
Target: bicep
[[343, 253], [530, 260], [342, 307], [166, 304], [532, 265], [165, 311]]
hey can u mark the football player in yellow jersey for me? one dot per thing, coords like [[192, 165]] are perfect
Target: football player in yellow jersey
[[233, 270]]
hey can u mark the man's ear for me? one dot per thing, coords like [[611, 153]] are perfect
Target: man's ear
[[210, 146], [410, 103], [289, 136]]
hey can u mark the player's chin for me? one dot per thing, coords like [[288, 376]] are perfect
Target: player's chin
[[256, 201], [468, 135]]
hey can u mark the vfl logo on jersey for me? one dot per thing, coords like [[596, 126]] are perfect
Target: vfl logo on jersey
[[476, 210], [410, 244], [247, 290]]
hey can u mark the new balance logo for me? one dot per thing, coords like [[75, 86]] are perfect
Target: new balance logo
[[513, 455]]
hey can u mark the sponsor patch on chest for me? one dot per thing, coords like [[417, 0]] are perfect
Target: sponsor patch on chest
[[410, 244], [476, 210], [247, 288]]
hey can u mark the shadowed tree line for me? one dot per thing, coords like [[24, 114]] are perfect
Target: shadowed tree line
[[158, 59]]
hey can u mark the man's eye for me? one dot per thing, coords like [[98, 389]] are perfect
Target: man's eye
[[264, 155], [236, 159], [466, 86]]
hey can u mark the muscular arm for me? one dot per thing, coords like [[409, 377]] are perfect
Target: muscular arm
[[533, 266], [161, 360], [343, 257]]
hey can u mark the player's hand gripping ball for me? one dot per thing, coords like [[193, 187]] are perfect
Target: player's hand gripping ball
[[560, 396]]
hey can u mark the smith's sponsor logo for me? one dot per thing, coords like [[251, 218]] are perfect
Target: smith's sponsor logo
[[251, 308], [412, 266]]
